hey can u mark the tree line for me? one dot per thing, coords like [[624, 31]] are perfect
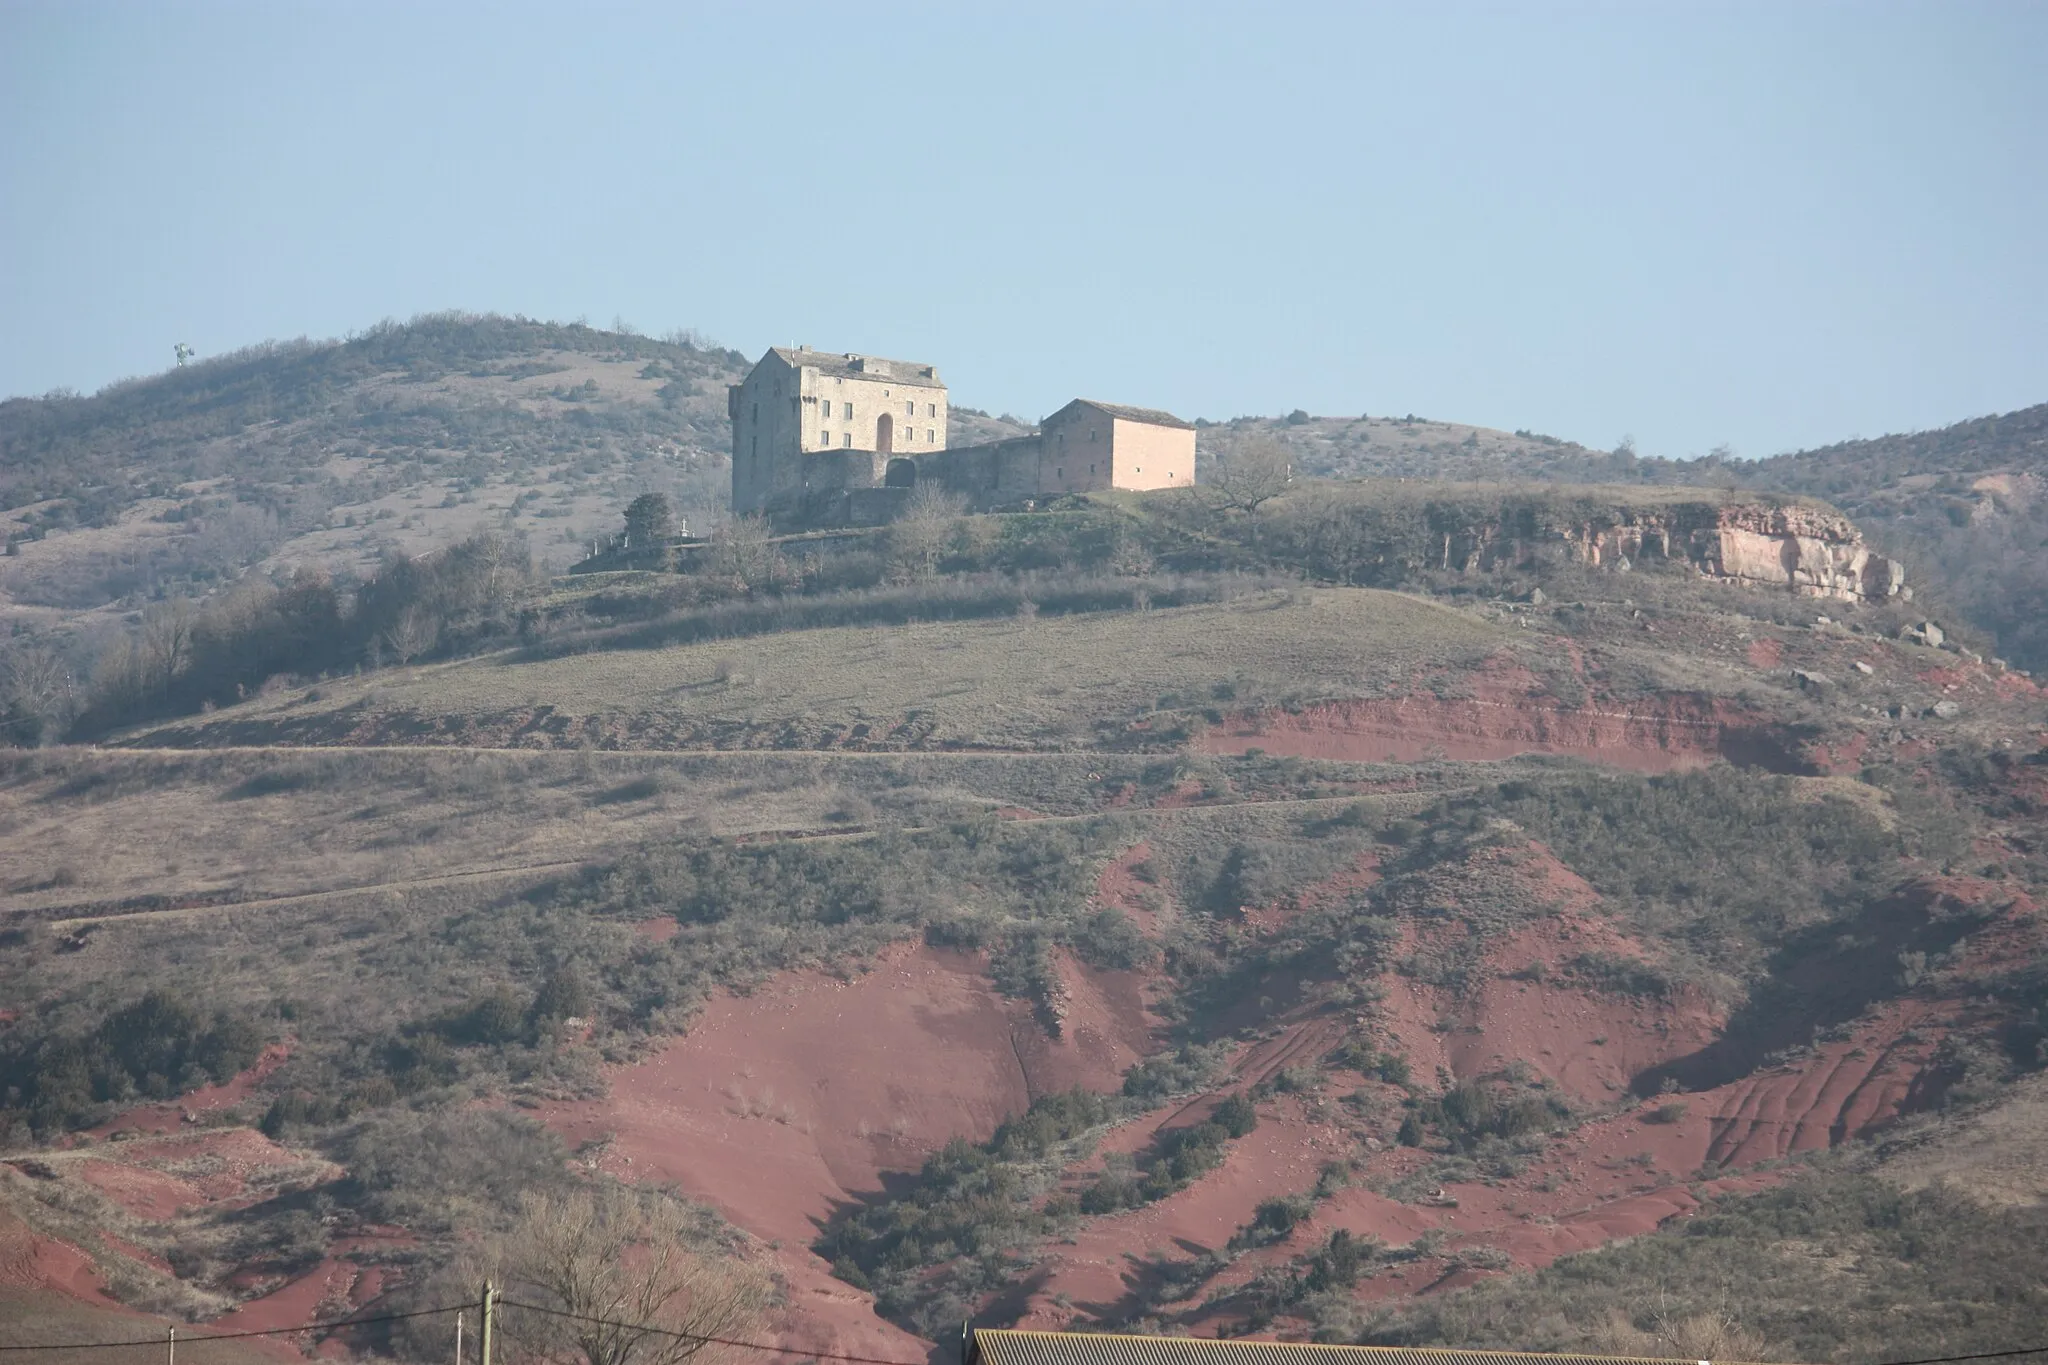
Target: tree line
[[184, 656]]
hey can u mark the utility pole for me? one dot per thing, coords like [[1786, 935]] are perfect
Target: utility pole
[[171, 1347], [458, 1337], [483, 1331]]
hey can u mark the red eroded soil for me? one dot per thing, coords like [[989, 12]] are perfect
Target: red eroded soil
[[1652, 734], [1118, 887], [167, 1116], [659, 929], [1526, 1006], [778, 1105], [1612, 1178], [141, 1191], [29, 1260]]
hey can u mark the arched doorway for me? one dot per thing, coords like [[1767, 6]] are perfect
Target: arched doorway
[[901, 473], [885, 434]]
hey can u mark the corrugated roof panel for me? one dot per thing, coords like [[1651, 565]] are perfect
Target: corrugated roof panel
[[1007, 1347]]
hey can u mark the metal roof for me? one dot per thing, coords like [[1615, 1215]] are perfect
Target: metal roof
[[991, 1346]]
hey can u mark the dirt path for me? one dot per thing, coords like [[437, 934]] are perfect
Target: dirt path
[[172, 906], [156, 914]]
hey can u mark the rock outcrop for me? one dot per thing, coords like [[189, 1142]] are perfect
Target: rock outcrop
[[1765, 543]]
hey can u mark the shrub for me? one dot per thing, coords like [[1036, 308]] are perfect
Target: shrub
[[159, 1047]]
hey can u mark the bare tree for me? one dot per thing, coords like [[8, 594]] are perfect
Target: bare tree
[[1709, 1335], [743, 551], [415, 632], [167, 641], [36, 694], [621, 1261], [499, 563], [1250, 472], [928, 524]]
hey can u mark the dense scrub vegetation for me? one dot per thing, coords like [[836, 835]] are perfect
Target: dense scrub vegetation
[[156, 1048], [1813, 1271], [963, 1228]]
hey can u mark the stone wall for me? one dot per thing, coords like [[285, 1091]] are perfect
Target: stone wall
[[1145, 457], [799, 427]]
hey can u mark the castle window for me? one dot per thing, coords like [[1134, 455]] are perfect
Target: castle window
[[910, 409], [825, 438], [931, 437], [1059, 473], [849, 413], [849, 439], [931, 409]]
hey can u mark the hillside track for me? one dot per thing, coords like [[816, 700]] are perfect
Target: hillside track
[[62, 922], [69, 919]]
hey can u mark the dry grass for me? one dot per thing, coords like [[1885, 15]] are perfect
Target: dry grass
[[32, 1317], [1995, 1157], [1040, 683], [83, 827]]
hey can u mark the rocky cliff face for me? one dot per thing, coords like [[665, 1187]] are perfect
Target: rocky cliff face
[[1801, 549]]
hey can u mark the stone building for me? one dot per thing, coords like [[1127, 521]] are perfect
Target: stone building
[[1088, 445], [807, 421], [821, 438]]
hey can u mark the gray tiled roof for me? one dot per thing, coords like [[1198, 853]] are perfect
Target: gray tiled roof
[[1149, 416], [910, 373]]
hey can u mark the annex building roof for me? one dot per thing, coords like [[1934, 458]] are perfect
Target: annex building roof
[[852, 365], [989, 1346], [1150, 416]]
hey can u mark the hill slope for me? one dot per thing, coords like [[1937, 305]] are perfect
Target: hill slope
[[1965, 506], [1480, 932], [338, 454]]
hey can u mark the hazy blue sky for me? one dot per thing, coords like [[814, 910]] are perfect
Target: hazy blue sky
[[1771, 225]]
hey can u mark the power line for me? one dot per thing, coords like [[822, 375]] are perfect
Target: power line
[[707, 1340], [235, 1336]]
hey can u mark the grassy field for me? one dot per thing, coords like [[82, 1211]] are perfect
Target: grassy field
[[1040, 683], [89, 830]]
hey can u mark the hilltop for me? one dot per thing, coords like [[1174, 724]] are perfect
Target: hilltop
[[399, 440], [340, 454]]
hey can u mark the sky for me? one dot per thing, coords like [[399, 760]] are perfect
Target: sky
[[1769, 226]]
